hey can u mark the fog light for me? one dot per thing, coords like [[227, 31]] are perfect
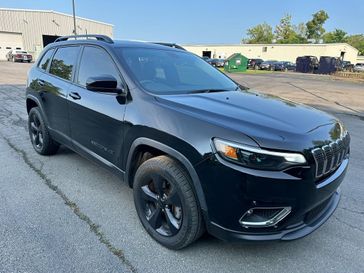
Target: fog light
[[264, 216]]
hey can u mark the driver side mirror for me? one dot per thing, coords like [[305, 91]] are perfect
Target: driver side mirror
[[104, 84]]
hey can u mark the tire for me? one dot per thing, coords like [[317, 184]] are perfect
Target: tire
[[166, 203], [39, 135]]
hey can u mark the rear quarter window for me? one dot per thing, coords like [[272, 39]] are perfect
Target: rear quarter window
[[43, 64]]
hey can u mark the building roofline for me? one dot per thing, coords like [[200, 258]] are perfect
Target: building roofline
[[246, 45], [56, 12]]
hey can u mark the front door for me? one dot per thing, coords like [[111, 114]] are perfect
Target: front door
[[96, 119]]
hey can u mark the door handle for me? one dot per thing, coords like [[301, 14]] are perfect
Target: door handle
[[40, 82], [75, 96]]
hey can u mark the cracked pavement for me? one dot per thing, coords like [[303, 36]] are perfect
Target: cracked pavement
[[65, 214]]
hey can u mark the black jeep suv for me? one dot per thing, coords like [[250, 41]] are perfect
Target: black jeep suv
[[200, 152]]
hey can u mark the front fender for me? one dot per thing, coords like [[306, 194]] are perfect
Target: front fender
[[173, 153]]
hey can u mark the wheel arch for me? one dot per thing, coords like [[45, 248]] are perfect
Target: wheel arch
[[31, 102], [167, 150]]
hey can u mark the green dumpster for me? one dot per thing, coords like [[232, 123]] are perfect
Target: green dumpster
[[236, 63]]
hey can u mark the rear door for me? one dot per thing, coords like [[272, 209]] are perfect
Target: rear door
[[53, 88], [96, 119]]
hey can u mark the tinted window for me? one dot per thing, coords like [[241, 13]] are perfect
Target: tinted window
[[63, 62], [43, 64], [173, 72], [96, 62]]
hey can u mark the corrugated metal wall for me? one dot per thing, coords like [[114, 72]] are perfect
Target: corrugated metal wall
[[280, 52], [33, 24]]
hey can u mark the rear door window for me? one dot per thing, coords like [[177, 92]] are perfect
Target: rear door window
[[64, 61]]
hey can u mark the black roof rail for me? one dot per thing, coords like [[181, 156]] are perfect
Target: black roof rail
[[98, 37], [169, 44]]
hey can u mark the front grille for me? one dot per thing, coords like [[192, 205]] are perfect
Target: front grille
[[329, 157]]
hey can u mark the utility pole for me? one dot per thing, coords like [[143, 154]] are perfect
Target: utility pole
[[74, 17]]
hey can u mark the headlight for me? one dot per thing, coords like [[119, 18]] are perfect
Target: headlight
[[256, 158]]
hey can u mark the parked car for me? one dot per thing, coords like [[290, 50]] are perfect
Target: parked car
[[347, 66], [254, 63], [268, 65], [359, 67], [284, 66], [199, 152], [19, 56], [217, 62]]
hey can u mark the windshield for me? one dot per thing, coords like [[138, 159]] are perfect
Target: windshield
[[166, 72]]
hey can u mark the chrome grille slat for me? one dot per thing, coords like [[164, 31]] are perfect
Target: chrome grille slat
[[328, 153], [329, 157]]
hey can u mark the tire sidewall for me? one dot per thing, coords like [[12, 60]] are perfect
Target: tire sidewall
[[49, 146], [35, 112], [141, 178]]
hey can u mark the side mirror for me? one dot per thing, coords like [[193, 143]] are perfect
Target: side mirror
[[105, 84]]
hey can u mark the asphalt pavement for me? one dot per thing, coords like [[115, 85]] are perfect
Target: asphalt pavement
[[63, 213]]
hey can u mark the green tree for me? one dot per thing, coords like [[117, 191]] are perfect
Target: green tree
[[336, 36], [301, 32], [356, 41], [262, 33], [287, 33], [284, 30], [315, 28]]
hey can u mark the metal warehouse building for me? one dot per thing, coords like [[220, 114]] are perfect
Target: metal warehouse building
[[279, 52], [31, 30]]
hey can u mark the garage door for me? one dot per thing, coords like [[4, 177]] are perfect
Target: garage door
[[8, 41]]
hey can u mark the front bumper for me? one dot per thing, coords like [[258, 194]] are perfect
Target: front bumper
[[291, 233], [231, 192]]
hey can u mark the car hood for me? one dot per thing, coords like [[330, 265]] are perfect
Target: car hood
[[271, 121]]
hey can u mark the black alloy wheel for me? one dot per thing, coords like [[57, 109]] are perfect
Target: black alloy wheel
[[36, 132], [166, 203], [162, 205], [39, 134]]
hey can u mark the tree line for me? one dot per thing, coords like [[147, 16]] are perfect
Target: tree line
[[310, 32]]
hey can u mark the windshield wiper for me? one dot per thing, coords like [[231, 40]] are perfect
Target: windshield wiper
[[208, 91]]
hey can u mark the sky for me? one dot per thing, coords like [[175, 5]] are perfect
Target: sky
[[200, 21]]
